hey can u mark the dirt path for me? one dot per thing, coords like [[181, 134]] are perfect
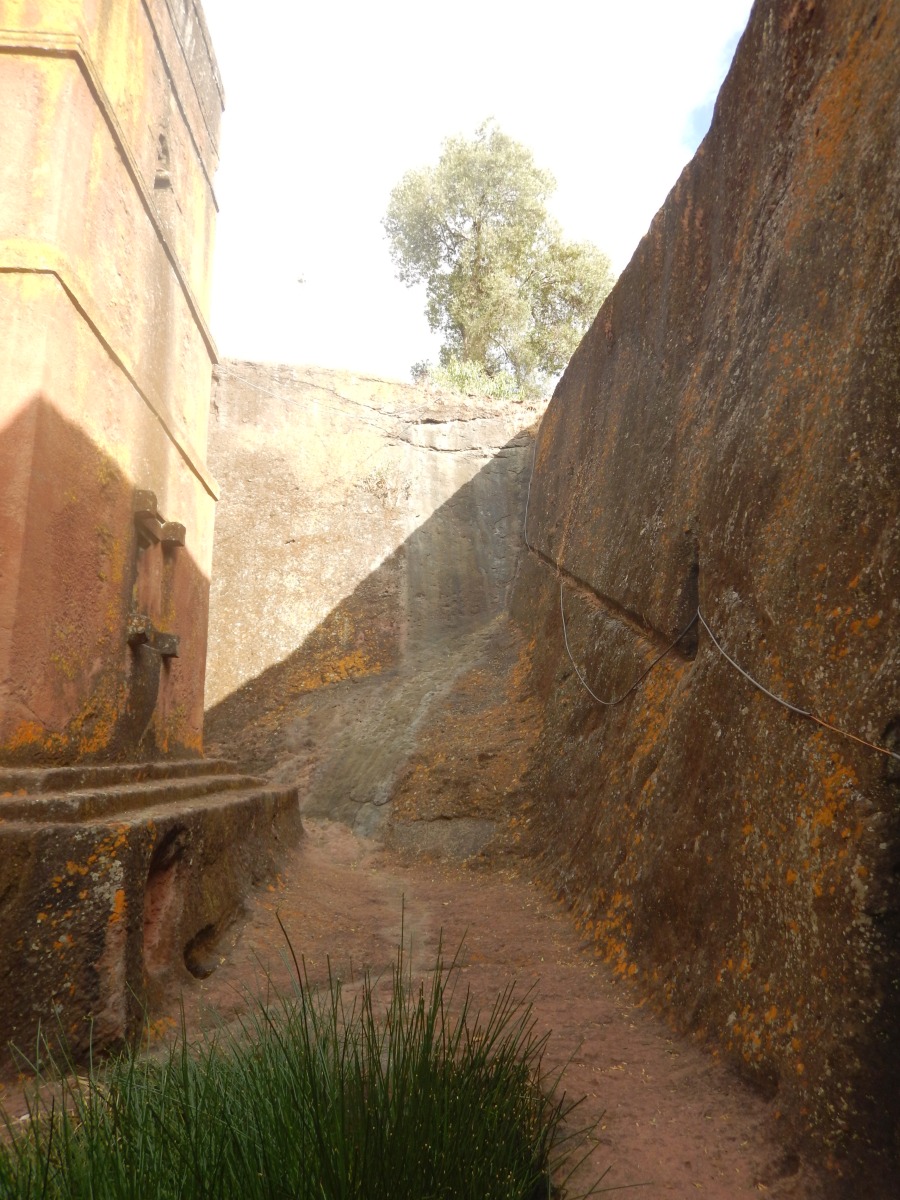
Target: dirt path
[[670, 1117]]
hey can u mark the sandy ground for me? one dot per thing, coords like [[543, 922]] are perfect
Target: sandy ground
[[669, 1116]]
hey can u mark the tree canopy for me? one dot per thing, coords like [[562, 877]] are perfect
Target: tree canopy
[[503, 287]]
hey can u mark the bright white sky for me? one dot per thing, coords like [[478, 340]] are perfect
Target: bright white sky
[[329, 104]]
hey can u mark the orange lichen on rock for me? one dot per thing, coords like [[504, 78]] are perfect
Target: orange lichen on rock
[[735, 468]]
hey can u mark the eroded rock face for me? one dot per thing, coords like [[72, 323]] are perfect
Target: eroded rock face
[[117, 884], [334, 483], [367, 539], [727, 433]]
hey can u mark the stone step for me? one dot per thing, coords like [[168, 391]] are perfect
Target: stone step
[[265, 796], [108, 916], [14, 780], [94, 803], [151, 808]]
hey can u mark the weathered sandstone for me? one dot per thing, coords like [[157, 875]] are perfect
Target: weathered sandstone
[[113, 877], [367, 539], [116, 886], [727, 434]]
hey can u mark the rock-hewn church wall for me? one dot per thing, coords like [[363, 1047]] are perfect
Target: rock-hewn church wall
[[727, 436], [115, 867], [110, 130]]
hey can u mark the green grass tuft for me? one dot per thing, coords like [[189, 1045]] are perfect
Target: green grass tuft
[[387, 1089]]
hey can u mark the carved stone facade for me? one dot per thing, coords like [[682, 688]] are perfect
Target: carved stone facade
[[111, 119], [122, 854]]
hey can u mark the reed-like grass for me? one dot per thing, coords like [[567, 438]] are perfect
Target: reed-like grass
[[384, 1090]]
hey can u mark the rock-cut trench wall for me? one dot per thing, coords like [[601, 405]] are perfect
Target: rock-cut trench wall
[[367, 531], [727, 435]]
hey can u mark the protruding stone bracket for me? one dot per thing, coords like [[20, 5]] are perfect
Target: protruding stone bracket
[[142, 632], [151, 525], [172, 533]]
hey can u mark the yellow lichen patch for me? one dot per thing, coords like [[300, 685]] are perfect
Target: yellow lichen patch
[[118, 907], [824, 817], [26, 734], [334, 670]]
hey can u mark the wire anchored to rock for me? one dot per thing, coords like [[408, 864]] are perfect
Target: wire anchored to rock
[[640, 679], [698, 616]]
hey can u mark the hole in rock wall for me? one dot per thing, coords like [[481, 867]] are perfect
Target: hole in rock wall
[[163, 174], [890, 739], [201, 953]]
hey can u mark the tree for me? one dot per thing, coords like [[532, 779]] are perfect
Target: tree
[[504, 289]]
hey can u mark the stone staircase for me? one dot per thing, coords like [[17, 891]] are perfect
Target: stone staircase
[[117, 884], [87, 793]]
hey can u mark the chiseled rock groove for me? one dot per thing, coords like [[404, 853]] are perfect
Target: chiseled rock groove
[[727, 433]]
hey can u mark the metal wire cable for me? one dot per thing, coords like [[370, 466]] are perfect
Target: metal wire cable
[[698, 616], [801, 712], [640, 679]]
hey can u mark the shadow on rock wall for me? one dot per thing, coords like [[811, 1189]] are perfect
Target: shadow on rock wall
[[399, 640], [73, 575]]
